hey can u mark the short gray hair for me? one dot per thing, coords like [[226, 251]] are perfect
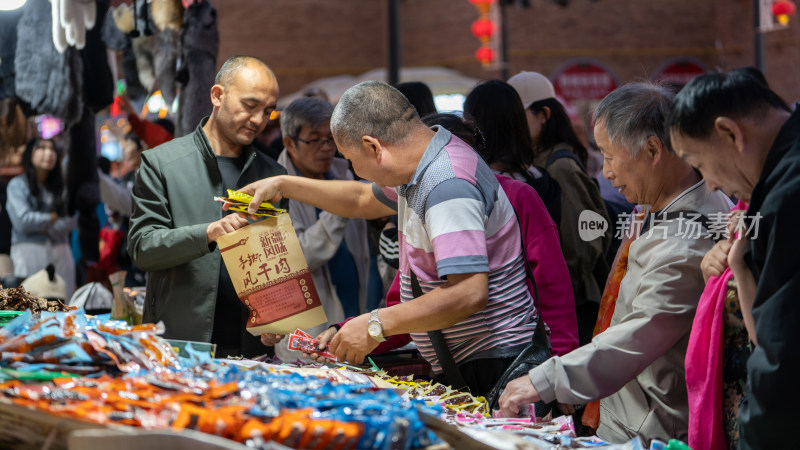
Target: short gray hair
[[304, 111], [633, 113], [376, 109], [232, 66]]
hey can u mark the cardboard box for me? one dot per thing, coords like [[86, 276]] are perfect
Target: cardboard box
[[271, 277]]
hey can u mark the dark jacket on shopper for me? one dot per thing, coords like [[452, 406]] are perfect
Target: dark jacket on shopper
[[769, 411], [173, 204]]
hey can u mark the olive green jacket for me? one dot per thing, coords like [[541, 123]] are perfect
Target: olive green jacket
[[578, 193], [173, 204]]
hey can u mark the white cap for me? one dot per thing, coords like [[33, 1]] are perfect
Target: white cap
[[42, 285], [532, 87]]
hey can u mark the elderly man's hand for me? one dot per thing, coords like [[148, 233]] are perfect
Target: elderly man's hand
[[517, 393], [266, 190], [353, 343], [270, 339], [324, 338]]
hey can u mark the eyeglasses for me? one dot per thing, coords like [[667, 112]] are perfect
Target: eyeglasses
[[317, 142]]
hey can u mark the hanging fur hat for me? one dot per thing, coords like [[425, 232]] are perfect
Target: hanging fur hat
[[113, 36], [143, 51], [8, 37], [134, 21], [13, 124], [116, 39], [165, 61], [49, 81], [96, 71], [123, 17], [199, 44], [167, 14]]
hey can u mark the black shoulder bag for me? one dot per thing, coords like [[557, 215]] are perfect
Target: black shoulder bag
[[537, 352]]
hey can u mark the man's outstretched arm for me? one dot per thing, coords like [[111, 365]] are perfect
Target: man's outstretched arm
[[343, 198]]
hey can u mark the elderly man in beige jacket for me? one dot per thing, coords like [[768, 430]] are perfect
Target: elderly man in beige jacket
[[636, 366]]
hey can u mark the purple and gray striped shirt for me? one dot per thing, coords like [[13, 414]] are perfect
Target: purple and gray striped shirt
[[454, 218]]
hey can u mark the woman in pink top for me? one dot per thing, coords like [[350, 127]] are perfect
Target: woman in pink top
[[557, 305], [543, 247]]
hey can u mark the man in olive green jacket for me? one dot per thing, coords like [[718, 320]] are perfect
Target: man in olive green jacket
[[176, 222]]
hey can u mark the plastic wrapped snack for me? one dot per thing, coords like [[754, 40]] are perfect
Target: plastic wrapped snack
[[239, 202]]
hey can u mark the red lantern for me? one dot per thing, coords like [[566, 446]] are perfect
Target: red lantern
[[482, 5], [782, 10], [783, 7], [483, 29], [485, 55]]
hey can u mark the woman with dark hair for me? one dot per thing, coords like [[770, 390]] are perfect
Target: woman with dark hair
[[557, 149], [496, 109], [37, 209], [556, 129], [419, 95], [466, 131]]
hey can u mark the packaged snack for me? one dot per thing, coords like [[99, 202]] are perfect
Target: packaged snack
[[271, 276], [239, 202], [307, 345]]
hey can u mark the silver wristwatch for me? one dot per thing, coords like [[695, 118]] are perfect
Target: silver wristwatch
[[375, 327]]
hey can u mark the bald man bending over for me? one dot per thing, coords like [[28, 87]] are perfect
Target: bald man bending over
[[175, 221]]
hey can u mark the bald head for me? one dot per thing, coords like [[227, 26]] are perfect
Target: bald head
[[244, 95], [376, 109], [235, 65]]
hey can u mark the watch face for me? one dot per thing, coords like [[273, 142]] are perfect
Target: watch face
[[374, 329]]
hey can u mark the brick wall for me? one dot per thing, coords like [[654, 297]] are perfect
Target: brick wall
[[308, 39]]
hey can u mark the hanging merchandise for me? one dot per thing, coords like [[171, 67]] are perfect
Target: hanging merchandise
[[197, 67], [132, 19], [165, 62], [152, 31], [8, 36], [167, 16], [119, 40], [70, 20], [114, 38], [143, 51], [49, 81], [97, 78], [13, 124]]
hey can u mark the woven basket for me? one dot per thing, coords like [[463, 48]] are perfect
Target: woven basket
[[24, 428]]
